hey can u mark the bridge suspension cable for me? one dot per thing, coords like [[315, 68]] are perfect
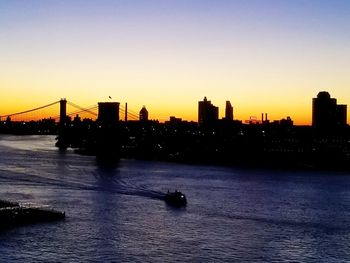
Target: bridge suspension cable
[[31, 110], [84, 109], [88, 110], [81, 110], [129, 113]]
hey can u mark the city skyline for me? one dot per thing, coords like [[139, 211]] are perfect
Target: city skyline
[[326, 112], [263, 56]]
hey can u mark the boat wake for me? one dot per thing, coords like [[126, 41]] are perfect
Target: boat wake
[[102, 182]]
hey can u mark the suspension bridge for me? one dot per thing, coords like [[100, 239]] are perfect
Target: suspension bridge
[[63, 107]]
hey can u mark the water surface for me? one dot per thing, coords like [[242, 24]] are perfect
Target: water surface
[[116, 213]]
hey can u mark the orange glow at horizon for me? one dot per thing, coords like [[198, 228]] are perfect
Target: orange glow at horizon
[[163, 111], [51, 112]]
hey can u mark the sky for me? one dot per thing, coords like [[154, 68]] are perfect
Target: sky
[[270, 56]]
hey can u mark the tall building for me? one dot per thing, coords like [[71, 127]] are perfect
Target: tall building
[[108, 113], [228, 111], [143, 114], [342, 115], [207, 112], [326, 113]]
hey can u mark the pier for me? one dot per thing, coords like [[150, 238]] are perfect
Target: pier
[[12, 214]]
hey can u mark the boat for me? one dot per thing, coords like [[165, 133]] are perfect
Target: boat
[[176, 198]]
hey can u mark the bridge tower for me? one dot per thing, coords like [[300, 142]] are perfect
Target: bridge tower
[[108, 113], [63, 111]]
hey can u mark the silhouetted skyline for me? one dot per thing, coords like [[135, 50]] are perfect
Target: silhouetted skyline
[[325, 113], [273, 143]]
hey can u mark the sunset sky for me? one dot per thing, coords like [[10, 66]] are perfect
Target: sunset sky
[[269, 56]]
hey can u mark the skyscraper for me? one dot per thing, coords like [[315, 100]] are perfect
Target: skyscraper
[[228, 111], [143, 114], [326, 113], [207, 112]]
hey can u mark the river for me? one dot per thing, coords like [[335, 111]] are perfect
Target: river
[[116, 214]]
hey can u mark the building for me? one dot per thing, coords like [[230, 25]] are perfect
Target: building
[[207, 112], [77, 119], [108, 113], [342, 115], [228, 111], [326, 113], [143, 114], [287, 122], [173, 120]]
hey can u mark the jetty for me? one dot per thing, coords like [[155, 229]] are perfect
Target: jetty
[[13, 213]]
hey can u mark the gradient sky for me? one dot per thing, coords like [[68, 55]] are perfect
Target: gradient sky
[[269, 56]]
